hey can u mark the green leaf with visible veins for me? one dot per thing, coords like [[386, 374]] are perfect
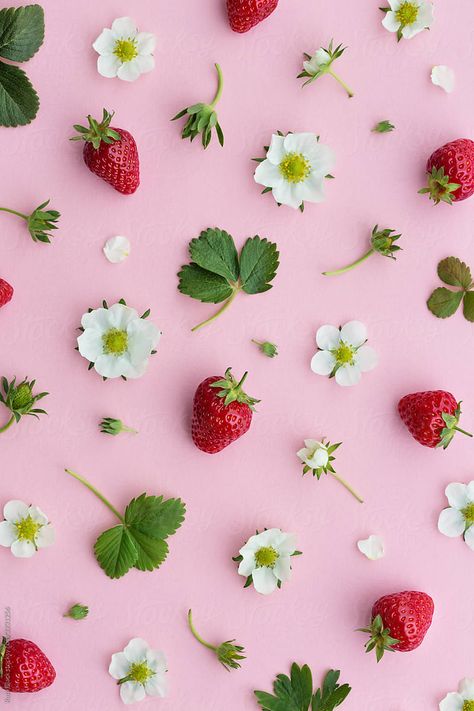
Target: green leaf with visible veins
[[258, 265], [154, 517], [455, 273], [468, 305], [19, 101], [152, 552], [21, 32], [203, 285], [215, 251], [295, 693], [115, 551], [443, 302]]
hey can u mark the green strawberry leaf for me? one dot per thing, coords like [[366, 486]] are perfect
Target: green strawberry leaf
[[154, 517], [116, 551], [215, 251], [152, 552], [19, 101], [443, 302], [468, 305], [455, 273], [21, 32], [203, 285], [258, 265], [295, 693]]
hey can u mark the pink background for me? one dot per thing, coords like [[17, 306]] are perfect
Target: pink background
[[256, 482]]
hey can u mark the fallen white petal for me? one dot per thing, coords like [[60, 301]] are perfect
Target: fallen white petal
[[372, 547], [116, 249], [443, 76]]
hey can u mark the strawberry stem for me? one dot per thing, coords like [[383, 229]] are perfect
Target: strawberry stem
[[14, 212], [197, 635], [97, 493], [347, 486], [9, 424], [220, 86], [223, 308], [350, 93], [351, 265], [458, 429]]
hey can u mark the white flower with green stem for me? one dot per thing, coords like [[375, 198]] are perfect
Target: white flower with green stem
[[320, 63], [343, 353], [458, 518], [317, 457], [265, 560], [229, 654], [25, 530], [381, 242], [20, 400], [124, 52], [408, 17], [140, 671]]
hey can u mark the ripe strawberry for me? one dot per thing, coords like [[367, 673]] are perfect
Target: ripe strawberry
[[23, 667], [222, 412], [245, 14], [431, 417], [6, 292], [399, 622], [450, 172], [111, 153]]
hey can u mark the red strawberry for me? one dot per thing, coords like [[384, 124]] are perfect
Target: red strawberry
[[245, 14], [222, 412], [451, 172], [399, 622], [432, 417], [6, 292], [23, 667], [111, 153]]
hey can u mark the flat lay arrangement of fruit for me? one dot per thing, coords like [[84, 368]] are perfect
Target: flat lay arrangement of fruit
[[235, 440]]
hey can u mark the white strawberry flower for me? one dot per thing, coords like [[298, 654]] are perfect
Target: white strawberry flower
[[320, 60], [372, 547], [343, 353], [314, 454], [408, 17], [265, 559], [25, 529], [443, 76], [140, 671], [462, 700], [295, 169], [117, 341], [458, 518], [116, 249], [124, 52]]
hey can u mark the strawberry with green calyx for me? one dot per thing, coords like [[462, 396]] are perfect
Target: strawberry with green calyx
[[40, 223], [321, 63], [228, 653], [381, 241], [450, 172], [110, 153], [114, 427], [77, 612], [20, 400], [267, 348], [202, 118], [24, 668], [317, 458], [432, 417]]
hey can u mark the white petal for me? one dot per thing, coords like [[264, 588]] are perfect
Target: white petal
[[105, 42], [443, 76], [8, 533], [121, 316], [264, 581], [37, 515], [15, 510], [130, 692], [282, 569], [322, 363], [457, 495], [285, 543], [469, 537], [354, 333], [300, 143], [451, 522], [124, 28], [90, 344], [312, 189], [276, 149], [372, 547], [119, 666], [267, 174], [156, 686], [366, 359], [426, 14], [145, 63], [390, 22], [247, 564], [470, 492], [136, 650], [320, 458], [348, 375], [129, 71], [466, 689], [108, 65], [311, 66], [410, 31], [146, 42], [143, 336], [322, 57], [116, 249], [110, 366], [313, 444], [328, 337], [23, 549], [287, 194], [97, 318], [156, 660], [451, 702], [45, 536], [322, 159]]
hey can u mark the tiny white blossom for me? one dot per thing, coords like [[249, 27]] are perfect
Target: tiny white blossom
[[372, 547], [140, 671], [25, 529], [462, 700], [266, 559], [343, 354], [124, 52], [408, 17], [116, 249], [314, 454], [458, 519], [443, 77]]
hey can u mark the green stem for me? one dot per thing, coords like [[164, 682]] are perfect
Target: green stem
[[218, 313], [129, 429], [9, 424], [350, 93], [197, 635], [220, 86], [458, 429], [348, 487], [351, 265], [14, 212], [97, 493]]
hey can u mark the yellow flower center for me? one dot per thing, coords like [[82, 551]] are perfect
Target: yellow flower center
[[27, 529], [468, 706], [407, 13], [115, 342], [126, 49], [295, 167], [140, 672], [468, 514], [266, 557], [344, 354]]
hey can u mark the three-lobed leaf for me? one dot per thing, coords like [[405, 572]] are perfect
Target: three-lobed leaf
[[203, 285], [215, 251], [21, 32], [455, 273], [295, 693], [258, 265], [19, 101]]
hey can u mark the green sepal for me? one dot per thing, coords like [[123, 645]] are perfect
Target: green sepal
[[97, 133], [439, 188], [202, 118], [77, 612], [383, 127], [231, 390], [41, 222], [20, 399], [382, 241], [380, 639], [451, 422]]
